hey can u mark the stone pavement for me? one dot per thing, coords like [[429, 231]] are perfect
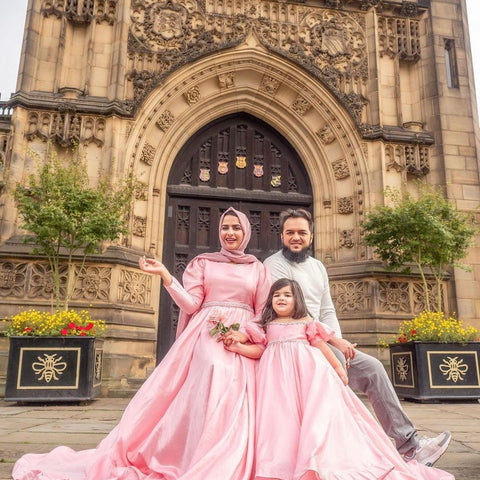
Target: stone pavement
[[37, 428]]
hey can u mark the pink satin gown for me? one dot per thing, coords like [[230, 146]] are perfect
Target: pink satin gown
[[309, 425], [194, 417]]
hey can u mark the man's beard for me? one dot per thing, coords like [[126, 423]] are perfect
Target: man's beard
[[296, 257]]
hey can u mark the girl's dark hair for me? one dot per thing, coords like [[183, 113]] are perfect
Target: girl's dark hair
[[300, 309]]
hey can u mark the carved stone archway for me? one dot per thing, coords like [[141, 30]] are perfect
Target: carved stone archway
[[251, 80]]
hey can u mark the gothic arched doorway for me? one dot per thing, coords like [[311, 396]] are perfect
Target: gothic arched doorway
[[236, 161]]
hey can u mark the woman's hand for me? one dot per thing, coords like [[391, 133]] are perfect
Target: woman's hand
[[150, 265], [233, 336]]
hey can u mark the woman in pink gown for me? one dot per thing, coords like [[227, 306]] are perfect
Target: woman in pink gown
[[194, 417], [311, 426]]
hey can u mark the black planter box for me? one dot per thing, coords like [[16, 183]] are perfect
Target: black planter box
[[54, 369], [436, 371]]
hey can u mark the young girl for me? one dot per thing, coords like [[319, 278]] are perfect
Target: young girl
[[310, 425]]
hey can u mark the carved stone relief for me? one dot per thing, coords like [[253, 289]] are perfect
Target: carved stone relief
[[394, 297], [139, 226], [226, 80], [42, 285], [412, 159], [351, 297], [345, 205], [134, 288], [12, 279], [141, 191], [103, 11], [93, 284], [301, 106], [192, 95], [66, 128], [340, 169], [165, 120], [399, 37], [347, 238], [330, 44], [269, 85], [326, 135], [148, 154]]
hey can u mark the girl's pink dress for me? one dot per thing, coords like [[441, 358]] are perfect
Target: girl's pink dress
[[193, 419], [309, 425]]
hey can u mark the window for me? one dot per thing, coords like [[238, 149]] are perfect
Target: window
[[451, 64]]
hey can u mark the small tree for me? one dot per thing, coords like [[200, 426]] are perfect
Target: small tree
[[67, 216], [428, 231]]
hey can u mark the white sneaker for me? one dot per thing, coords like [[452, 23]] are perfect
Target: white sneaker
[[429, 450]]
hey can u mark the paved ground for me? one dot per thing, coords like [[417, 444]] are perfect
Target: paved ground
[[36, 428]]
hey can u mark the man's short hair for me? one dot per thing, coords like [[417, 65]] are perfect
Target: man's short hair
[[296, 213]]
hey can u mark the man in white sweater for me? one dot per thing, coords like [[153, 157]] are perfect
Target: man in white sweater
[[366, 373]]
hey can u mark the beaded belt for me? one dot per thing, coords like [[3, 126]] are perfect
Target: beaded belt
[[228, 305], [289, 340]]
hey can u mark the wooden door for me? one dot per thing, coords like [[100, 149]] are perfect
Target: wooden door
[[236, 161]]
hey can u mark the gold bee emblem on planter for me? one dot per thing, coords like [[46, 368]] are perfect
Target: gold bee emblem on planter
[[49, 367], [241, 161], [453, 368]]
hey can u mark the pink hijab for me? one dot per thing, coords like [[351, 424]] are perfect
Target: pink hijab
[[235, 256], [224, 255]]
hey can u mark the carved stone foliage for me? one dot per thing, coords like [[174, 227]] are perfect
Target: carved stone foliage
[[226, 80], [93, 283], [139, 226], [351, 297], [345, 205], [326, 135], [82, 11], [134, 288], [399, 37], [394, 297], [193, 95], [418, 295], [165, 120], [301, 106], [41, 283], [148, 154], [12, 279], [269, 85], [330, 44], [66, 128], [347, 238], [412, 159], [340, 169]]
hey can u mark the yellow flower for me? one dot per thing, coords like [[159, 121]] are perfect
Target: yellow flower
[[34, 323], [436, 327]]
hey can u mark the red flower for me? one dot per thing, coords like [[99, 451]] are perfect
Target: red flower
[[28, 329], [89, 326], [71, 325], [402, 338], [82, 334], [64, 331], [414, 332]]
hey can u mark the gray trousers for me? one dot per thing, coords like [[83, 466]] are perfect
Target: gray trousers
[[367, 375]]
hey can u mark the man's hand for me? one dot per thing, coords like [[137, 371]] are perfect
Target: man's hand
[[347, 348]]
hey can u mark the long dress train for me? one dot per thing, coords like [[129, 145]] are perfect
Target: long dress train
[[309, 425], [193, 418]]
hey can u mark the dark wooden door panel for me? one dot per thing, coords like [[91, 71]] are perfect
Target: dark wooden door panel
[[236, 161]]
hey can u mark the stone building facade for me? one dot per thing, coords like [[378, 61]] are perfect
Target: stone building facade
[[261, 104]]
